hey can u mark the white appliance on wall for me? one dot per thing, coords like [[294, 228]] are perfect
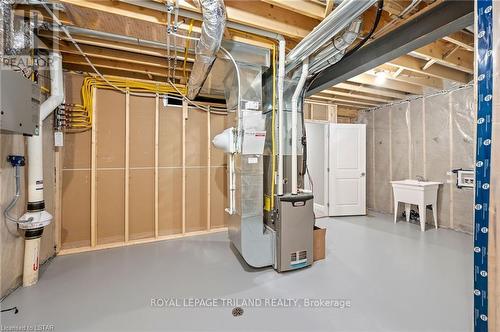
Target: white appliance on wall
[[336, 158]]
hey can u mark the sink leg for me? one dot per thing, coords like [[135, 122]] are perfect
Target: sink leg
[[422, 213], [395, 211], [407, 211], [435, 214]]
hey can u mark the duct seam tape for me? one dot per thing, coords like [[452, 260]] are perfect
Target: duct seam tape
[[483, 160]]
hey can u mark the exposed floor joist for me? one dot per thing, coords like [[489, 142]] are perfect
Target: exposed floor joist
[[436, 70], [389, 84], [444, 19]]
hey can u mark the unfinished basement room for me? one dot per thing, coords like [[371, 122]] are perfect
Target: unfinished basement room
[[250, 165]]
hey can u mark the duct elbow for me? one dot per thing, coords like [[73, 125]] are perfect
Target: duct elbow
[[212, 31]]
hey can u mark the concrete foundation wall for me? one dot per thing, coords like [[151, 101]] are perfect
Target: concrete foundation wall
[[427, 137]]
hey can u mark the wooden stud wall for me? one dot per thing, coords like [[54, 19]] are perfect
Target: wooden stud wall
[[145, 172], [320, 112]]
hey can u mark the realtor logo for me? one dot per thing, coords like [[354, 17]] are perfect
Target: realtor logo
[[20, 22]]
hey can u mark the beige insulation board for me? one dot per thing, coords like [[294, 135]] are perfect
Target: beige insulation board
[[196, 138], [205, 168], [170, 137], [170, 201], [110, 129], [75, 207], [319, 112]]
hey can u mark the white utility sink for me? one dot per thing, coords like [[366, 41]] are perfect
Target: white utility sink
[[420, 193]]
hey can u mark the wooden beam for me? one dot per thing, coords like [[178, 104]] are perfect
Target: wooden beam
[[437, 70], [264, 16], [439, 50], [120, 65], [398, 72], [156, 172], [371, 90], [184, 115], [303, 7], [413, 78], [117, 55], [330, 4], [345, 100], [86, 40], [112, 72], [388, 84], [428, 64], [344, 104], [127, 166], [462, 39], [93, 172], [353, 94]]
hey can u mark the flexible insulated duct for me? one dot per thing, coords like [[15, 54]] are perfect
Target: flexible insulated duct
[[212, 31], [334, 52], [329, 27]]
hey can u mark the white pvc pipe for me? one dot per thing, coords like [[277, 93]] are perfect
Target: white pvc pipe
[[295, 100], [31, 261], [35, 147], [281, 79]]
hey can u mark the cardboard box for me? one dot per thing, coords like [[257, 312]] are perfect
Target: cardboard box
[[319, 243]]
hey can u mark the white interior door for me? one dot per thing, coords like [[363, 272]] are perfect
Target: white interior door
[[347, 180], [317, 164]]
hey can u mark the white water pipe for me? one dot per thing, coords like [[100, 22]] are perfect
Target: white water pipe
[[35, 148], [281, 80], [36, 217], [295, 104]]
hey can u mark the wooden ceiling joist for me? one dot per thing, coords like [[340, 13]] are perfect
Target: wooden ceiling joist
[[377, 91], [388, 84], [462, 39], [264, 16], [303, 7], [112, 72], [346, 100], [359, 96], [436, 70], [350, 105], [410, 77], [121, 65], [439, 50], [117, 55]]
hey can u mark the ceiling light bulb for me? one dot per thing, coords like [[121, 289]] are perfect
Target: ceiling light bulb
[[380, 77]]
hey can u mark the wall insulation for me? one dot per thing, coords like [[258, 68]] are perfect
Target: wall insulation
[[156, 173], [426, 137]]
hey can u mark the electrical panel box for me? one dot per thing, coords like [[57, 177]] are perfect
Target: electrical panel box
[[19, 103]]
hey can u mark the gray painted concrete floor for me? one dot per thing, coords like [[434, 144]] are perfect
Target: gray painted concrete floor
[[397, 279]]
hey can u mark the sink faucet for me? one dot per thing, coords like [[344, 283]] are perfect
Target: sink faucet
[[420, 178]]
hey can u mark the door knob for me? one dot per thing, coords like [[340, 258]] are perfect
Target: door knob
[[363, 174]]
